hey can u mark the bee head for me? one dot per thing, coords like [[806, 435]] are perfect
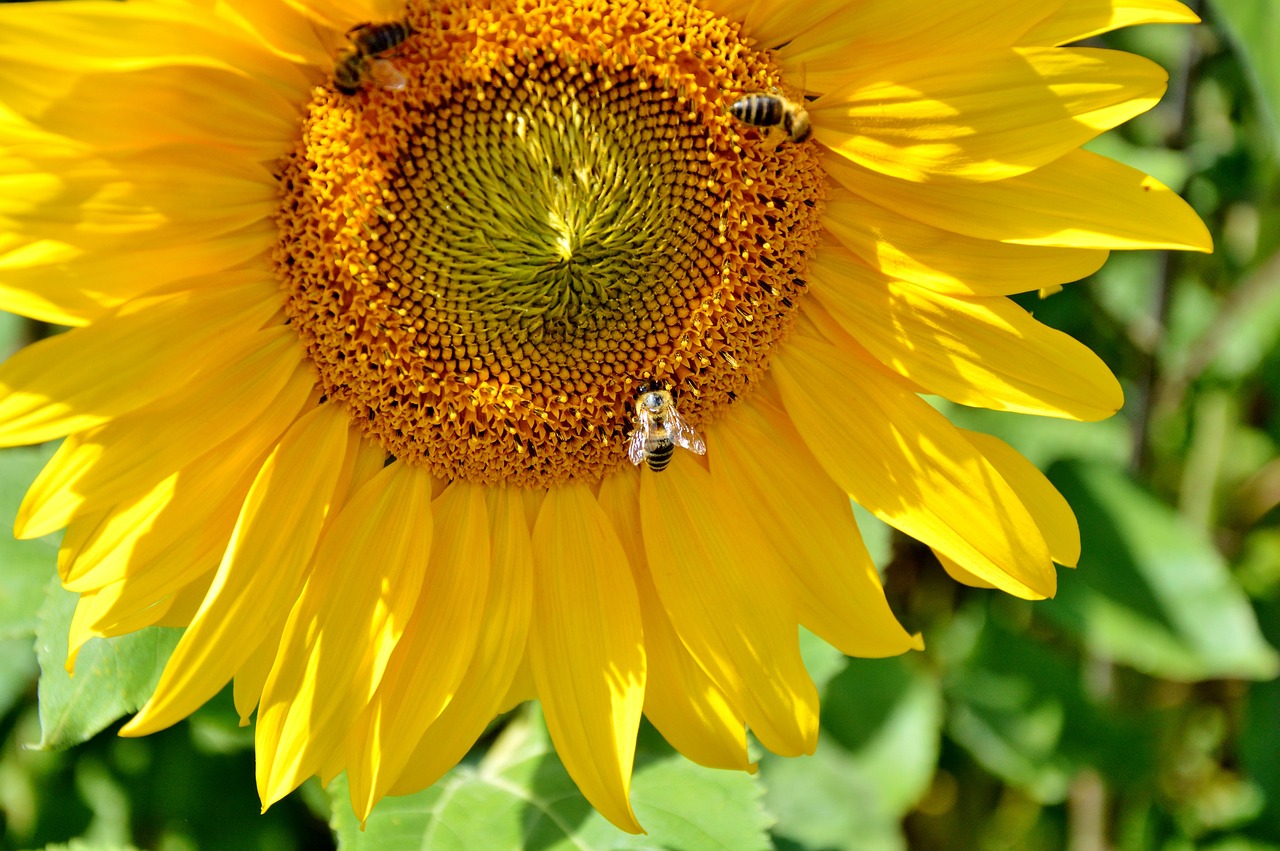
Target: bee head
[[652, 396], [651, 386]]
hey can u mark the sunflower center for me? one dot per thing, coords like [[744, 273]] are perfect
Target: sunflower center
[[547, 205]]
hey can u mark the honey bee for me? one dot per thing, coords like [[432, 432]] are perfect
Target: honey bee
[[659, 429], [361, 62], [774, 110]]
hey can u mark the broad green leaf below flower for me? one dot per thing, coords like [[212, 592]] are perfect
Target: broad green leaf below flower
[[519, 796], [1152, 593], [876, 755], [114, 676]]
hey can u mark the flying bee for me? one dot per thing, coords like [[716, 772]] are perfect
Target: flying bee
[[361, 61], [659, 429], [774, 110]]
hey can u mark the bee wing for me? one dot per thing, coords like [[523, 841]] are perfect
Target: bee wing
[[684, 434], [635, 447], [386, 74]]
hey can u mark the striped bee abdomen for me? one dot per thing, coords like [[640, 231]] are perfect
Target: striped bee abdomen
[[372, 39], [659, 455], [759, 110]]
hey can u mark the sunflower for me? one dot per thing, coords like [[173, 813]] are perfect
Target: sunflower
[[361, 316]]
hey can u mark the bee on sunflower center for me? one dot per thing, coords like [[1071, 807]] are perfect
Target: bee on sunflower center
[[659, 429]]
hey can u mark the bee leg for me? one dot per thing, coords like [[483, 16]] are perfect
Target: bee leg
[[773, 137]]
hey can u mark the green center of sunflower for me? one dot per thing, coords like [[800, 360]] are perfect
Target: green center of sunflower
[[554, 208]]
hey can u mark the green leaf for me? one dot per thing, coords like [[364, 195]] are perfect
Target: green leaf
[[17, 670], [1006, 706], [1240, 843], [1152, 592], [1016, 703], [875, 759], [1260, 740], [1252, 26], [25, 566], [519, 796], [14, 331], [114, 676], [1245, 331]]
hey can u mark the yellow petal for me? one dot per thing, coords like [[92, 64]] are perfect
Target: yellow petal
[[343, 628], [901, 460], [88, 556], [364, 459], [946, 261], [586, 648], [112, 605], [66, 284], [238, 114], [144, 196], [522, 689], [774, 22], [715, 577], [262, 569], [285, 29], [25, 259], [104, 37], [123, 607], [340, 14], [180, 517], [684, 704], [691, 712], [432, 657], [156, 587], [1053, 516], [128, 455], [500, 649], [959, 574], [1080, 19], [184, 604], [760, 459], [79, 632], [53, 199], [983, 116], [1082, 200], [109, 611], [128, 613], [847, 47], [252, 675], [146, 351], [986, 352], [18, 130], [45, 508]]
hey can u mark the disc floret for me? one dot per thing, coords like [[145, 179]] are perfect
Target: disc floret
[[486, 263]]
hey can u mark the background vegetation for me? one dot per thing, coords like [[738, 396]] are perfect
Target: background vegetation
[[1138, 710]]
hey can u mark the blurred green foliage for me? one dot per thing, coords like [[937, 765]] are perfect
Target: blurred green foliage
[[1139, 710], [519, 796]]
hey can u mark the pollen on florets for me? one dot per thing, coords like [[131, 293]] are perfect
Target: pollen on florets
[[555, 207]]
